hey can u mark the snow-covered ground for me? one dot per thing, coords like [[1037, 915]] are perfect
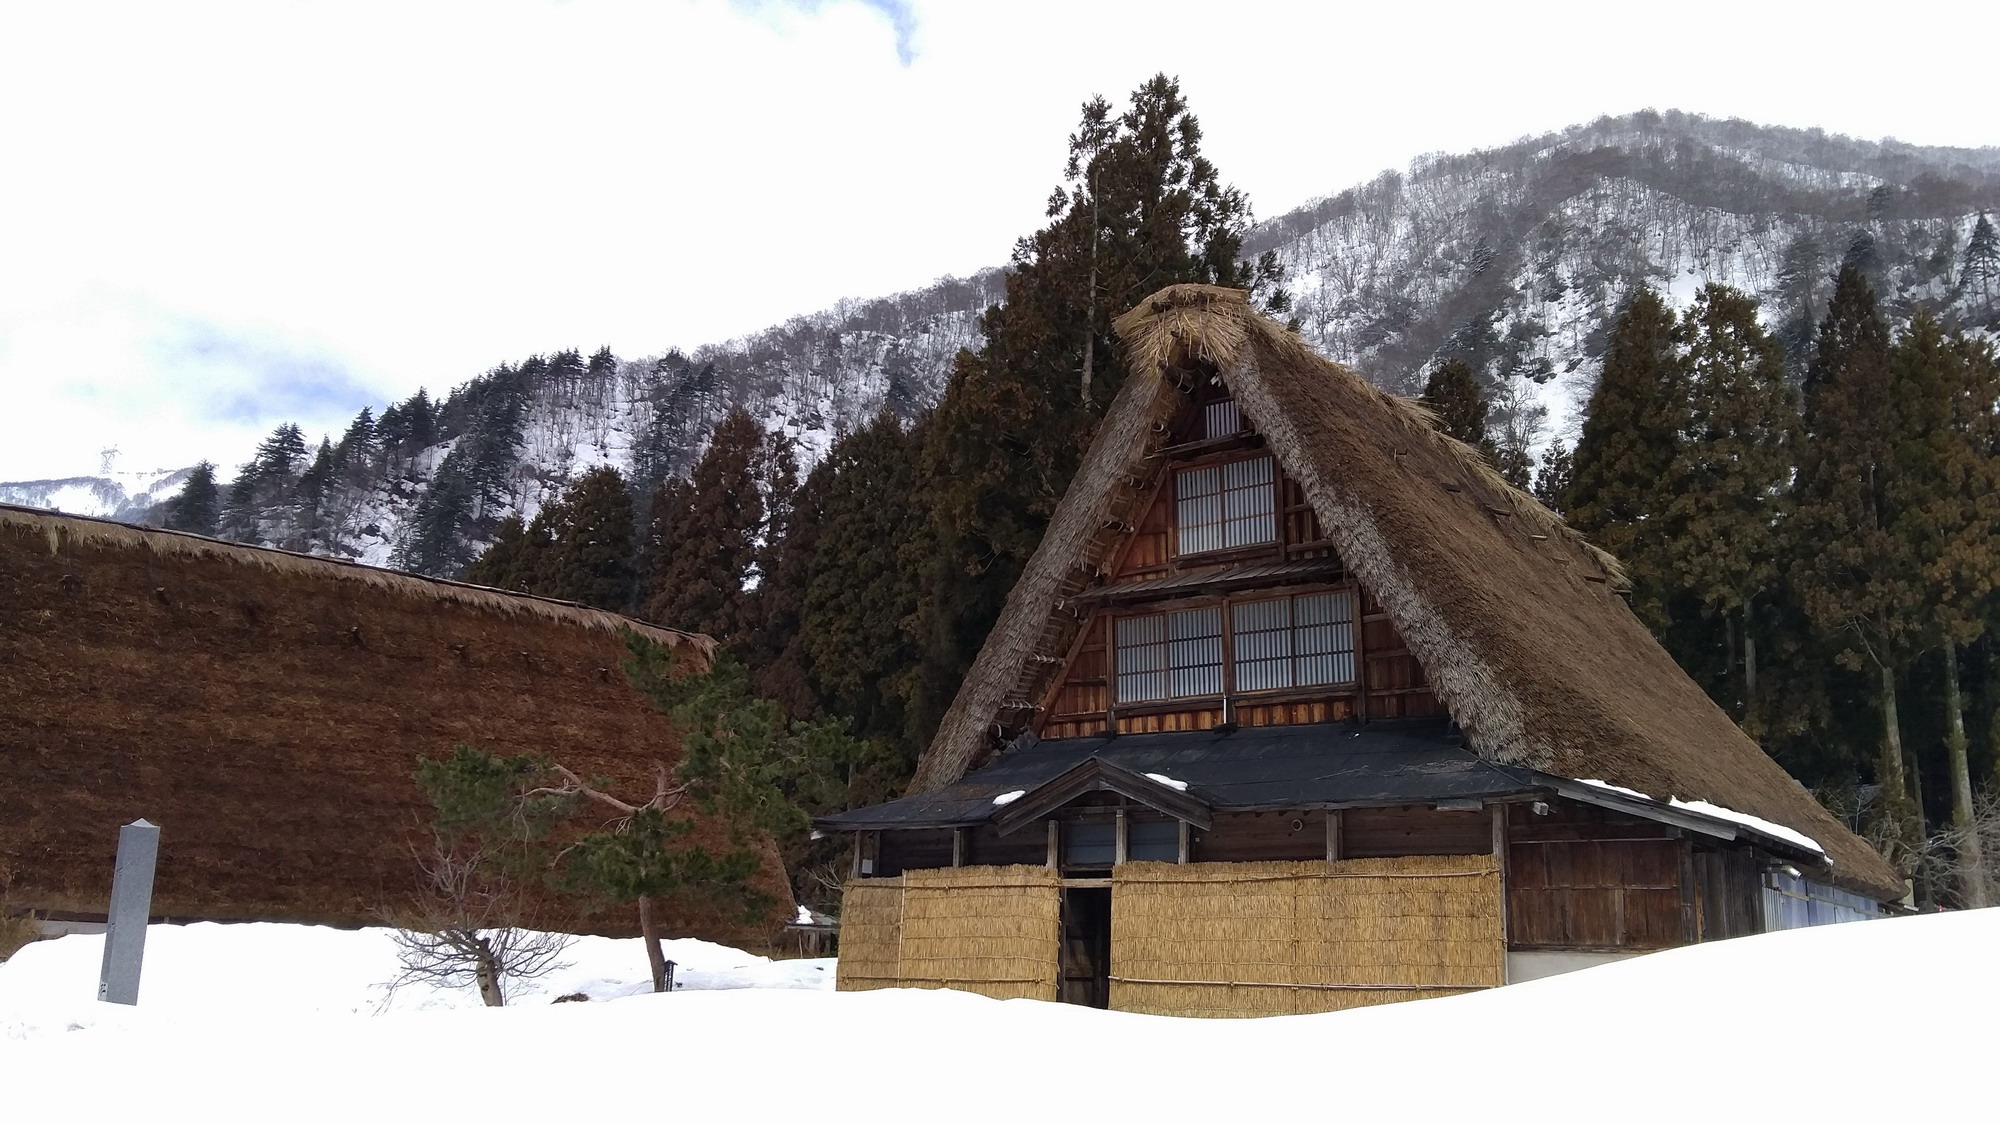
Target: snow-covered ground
[[251, 1024]]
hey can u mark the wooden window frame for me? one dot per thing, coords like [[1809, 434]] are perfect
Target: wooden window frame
[[1275, 512]]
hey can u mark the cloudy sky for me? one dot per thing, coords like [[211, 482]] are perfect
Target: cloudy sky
[[215, 217]]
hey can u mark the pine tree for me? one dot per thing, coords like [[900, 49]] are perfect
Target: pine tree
[[1945, 495], [1555, 475], [1140, 208], [355, 453], [1734, 467], [703, 543], [1856, 581], [1451, 394], [588, 558], [197, 507], [1625, 457]]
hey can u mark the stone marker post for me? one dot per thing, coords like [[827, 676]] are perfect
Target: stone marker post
[[131, 906]]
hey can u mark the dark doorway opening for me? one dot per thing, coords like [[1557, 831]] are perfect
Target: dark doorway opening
[[1086, 946]]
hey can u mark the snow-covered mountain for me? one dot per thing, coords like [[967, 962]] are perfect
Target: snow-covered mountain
[[120, 496], [1515, 257]]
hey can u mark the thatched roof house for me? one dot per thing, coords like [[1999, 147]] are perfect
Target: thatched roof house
[[267, 709], [1258, 539]]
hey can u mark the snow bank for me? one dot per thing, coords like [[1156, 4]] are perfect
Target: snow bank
[[264, 970], [728, 1056]]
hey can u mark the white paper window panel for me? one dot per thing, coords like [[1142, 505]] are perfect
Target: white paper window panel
[[1249, 503], [1222, 419], [1194, 652], [1142, 658], [1198, 511]]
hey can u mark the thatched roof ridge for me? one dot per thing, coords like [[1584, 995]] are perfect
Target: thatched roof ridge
[[1514, 616], [62, 530]]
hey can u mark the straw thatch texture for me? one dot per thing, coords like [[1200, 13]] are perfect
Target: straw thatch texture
[[990, 930], [1513, 616], [267, 710], [871, 934], [1278, 938]]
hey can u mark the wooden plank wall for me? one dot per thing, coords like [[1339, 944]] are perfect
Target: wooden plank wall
[[1584, 878], [1415, 830]]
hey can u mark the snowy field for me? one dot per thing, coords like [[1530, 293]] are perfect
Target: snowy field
[[263, 1023]]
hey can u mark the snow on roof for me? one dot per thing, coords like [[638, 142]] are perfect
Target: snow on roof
[[1705, 808], [1010, 796], [1169, 782]]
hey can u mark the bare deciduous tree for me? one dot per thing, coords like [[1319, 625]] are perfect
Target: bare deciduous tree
[[464, 927]]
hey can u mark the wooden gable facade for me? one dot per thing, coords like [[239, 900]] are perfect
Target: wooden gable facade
[[1232, 606]]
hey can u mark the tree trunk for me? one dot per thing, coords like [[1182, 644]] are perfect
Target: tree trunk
[[649, 929], [1971, 855], [1749, 664], [487, 972], [1904, 833]]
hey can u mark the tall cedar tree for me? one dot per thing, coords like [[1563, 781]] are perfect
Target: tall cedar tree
[[1733, 469], [1945, 492], [1553, 477], [1140, 208], [1980, 267], [862, 587], [197, 507], [512, 561], [703, 545], [588, 531], [1860, 584], [1626, 455], [1451, 393]]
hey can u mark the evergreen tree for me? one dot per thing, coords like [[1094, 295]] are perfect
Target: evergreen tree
[[1553, 478], [197, 507], [1140, 208], [588, 558], [513, 559], [1734, 467], [1945, 495], [1451, 394], [1857, 582], [1980, 265], [1626, 455], [703, 544], [355, 454]]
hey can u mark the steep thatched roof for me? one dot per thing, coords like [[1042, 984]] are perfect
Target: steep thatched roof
[[267, 709], [1514, 616]]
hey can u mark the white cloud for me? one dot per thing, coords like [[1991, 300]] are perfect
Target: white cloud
[[407, 194]]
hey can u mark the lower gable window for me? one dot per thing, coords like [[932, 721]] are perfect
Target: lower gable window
[[1301, 641], [1170, 655]]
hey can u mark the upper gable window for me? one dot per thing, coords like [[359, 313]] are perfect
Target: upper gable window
[[1224, 506], [1221, 419]]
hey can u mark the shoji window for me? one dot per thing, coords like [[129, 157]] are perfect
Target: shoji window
[[1221, 419], [1301, 641], [1224, 506], [1169, 655]]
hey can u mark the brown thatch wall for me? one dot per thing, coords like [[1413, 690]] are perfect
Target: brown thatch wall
[[267, 710], [990, 930], [1282, 938]]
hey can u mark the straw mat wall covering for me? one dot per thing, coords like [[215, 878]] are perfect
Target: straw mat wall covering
[[1280, 938], [990, 930]]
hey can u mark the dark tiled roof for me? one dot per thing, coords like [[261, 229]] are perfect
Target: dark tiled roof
[[1244, 769]]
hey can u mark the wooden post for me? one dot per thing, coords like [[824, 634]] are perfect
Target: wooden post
[[1355, 606], [860, 845], [1118, 852], [1332, 835], [1187, 841], [958, 847], [1055, 843], [1500, 860]]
